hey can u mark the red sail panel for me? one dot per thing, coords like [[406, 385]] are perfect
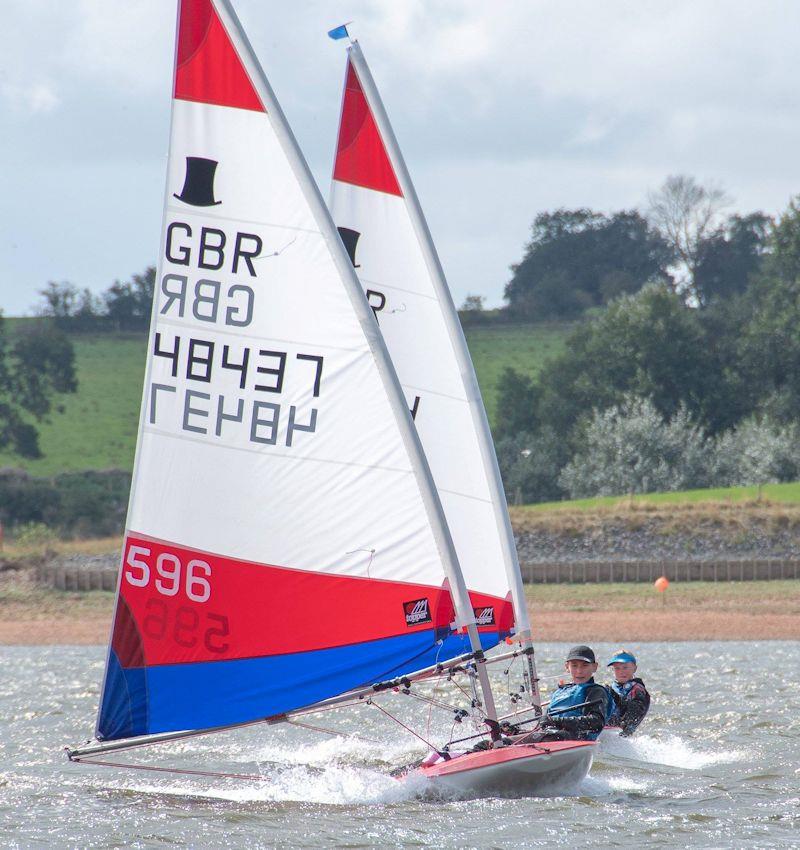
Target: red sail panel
[[208, 69], [178, 605], [361, 157]]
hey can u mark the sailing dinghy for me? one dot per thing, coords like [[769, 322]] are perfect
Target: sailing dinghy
[[286, 550], [378, 214]]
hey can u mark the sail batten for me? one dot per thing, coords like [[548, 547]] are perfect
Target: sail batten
[[284, 541]]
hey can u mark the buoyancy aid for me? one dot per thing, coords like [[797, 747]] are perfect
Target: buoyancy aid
[[569, 693], [620, 693]]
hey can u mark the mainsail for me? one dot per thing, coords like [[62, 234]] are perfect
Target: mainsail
[[284, 541], [381, 223]]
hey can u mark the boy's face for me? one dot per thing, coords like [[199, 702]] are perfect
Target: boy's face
[[623, 671], [581, 671]]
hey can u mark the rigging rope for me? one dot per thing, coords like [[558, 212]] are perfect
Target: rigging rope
[[175, 770], [407, 728]]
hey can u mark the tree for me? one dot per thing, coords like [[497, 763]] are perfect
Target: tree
[[60, 300], [728, 258], [757, 451], [472, 304], [686, 213], [579, 258], [784, 244], [35, 366], [631, 448], [530, 464], [769, 333], [517, 402], [649, 344], [128, 304]]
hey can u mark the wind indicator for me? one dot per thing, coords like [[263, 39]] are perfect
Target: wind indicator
[[340, 32]]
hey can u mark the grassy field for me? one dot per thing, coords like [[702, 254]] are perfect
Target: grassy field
[[98, 427], [521, 347], [752, 597], [788, 493]]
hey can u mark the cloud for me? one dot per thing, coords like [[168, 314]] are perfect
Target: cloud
[[502, 110], [30, 99]]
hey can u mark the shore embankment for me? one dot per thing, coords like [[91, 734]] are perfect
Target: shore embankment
[[643, 531]]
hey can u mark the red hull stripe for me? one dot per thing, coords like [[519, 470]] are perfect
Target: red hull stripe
[[361, 156], [179, 605], [208, 69]]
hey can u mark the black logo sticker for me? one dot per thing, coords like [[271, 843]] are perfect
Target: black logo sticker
[[484, 616], [417, 611]]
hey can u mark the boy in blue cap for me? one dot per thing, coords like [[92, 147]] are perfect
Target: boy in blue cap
[[631, 699]]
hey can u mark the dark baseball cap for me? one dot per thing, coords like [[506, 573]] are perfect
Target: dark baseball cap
[[581, 653]]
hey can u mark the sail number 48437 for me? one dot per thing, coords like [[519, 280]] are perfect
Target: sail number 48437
[[169, 574]]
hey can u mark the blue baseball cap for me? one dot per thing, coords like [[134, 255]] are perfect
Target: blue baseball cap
[[622, 657]]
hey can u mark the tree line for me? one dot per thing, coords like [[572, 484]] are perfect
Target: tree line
[[683, 368], [690, 380], [124, 306]]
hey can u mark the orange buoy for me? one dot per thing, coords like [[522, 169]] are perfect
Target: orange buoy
[[661, 584]]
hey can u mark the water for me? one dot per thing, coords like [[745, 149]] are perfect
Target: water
[[716, 764]]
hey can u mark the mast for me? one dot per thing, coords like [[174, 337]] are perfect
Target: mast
[[461, 351]]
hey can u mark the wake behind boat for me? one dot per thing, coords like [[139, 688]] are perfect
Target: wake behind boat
[[294, 541]]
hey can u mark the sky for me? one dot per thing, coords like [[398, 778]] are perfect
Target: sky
[[502, 110]]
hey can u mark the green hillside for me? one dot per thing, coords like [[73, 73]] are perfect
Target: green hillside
[[97, 429], [521, 347]]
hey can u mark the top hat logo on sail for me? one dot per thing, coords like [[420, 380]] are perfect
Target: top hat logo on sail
[[198, 185], [350, 239]]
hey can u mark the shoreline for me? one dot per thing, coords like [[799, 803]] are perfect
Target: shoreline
[[570, 613]]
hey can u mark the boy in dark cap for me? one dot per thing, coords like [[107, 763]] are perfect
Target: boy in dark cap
[[630, 696], [578, 708]]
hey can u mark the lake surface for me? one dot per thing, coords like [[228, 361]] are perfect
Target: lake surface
[[716, 764]]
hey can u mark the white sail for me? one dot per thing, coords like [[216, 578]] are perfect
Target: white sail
[[379, 217], [284, 541]]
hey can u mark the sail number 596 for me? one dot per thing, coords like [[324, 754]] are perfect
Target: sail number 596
[[170, 574]]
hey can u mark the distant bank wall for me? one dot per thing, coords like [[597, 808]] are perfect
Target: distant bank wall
[[588, 572], [79, 577]]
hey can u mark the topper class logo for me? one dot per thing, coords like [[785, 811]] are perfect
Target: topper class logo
[[198, 185], [350, 239], [484, 616], [417, 611]]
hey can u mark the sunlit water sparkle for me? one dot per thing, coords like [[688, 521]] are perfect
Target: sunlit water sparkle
[[715, 765]]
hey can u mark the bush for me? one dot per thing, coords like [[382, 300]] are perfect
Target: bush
[[530, 465], [630, 448], [89, 503], [758, 451], [34, 535]]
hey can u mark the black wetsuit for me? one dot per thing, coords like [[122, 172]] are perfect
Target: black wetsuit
[[631, 703]]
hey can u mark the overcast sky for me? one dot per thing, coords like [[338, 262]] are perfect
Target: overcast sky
[[502, 110]]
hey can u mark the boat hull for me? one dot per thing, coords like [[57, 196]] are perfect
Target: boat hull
[[520, 770]]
